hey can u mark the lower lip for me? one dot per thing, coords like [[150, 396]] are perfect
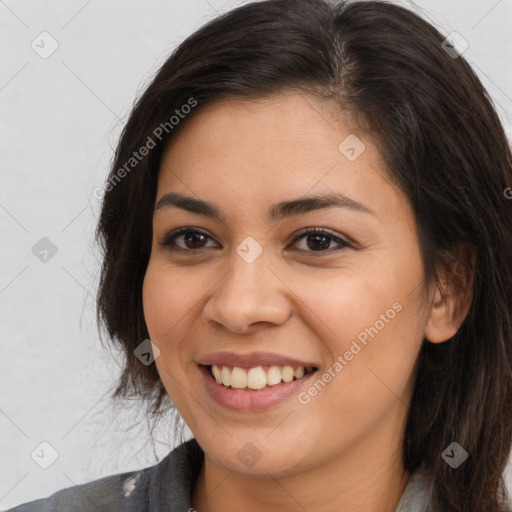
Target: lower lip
[[251, 400]]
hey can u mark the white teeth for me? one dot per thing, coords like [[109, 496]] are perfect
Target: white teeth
[[226, 376], [287, 373], [217, 373], [299, 372], [273, 375], [255, 378], [238, 378]]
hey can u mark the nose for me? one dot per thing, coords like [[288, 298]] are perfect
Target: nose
[[249, 294]]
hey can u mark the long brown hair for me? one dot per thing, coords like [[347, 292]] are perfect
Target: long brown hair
[[443, 145]]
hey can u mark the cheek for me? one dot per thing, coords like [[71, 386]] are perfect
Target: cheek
[[168, 299], [163, 310], [166, 302], [371, 315], [156, 301], [361, 303]]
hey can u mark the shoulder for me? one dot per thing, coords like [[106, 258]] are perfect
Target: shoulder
[[112, 493], [417, 496], [418, 493], [134, 491]]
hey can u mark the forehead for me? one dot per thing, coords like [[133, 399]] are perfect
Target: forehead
[[269, 128], [266, 150]]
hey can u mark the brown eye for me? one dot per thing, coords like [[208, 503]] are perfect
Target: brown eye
[[193, 239], [319, 240], [316, 240]]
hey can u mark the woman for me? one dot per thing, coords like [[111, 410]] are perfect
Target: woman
[[307, 216]]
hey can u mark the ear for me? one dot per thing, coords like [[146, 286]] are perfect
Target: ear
[[452, 297]]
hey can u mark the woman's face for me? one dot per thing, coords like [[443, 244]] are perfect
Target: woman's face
[[246, 291]]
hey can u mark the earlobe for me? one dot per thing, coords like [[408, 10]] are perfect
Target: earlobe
[[442, 324], [452, 298]]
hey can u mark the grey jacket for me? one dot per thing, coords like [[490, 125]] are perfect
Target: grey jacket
[[166, 487]]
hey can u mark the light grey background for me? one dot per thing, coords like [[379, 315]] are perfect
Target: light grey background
[[59, 119]]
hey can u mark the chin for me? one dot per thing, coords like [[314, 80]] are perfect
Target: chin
[[257, 456]]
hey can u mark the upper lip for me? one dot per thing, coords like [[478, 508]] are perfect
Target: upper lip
[[252, 359]]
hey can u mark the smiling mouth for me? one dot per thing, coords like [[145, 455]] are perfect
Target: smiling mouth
[[258, 377]]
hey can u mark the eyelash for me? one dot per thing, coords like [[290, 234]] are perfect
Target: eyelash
[[169, 239]]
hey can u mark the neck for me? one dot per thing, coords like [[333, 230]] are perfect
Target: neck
[[369, 478]]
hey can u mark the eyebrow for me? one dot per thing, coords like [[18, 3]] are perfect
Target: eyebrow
[[276, 212]]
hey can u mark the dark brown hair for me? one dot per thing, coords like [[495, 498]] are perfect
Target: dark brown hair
[[443, 145]]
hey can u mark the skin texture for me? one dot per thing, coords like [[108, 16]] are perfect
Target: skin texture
[[342, 450]]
